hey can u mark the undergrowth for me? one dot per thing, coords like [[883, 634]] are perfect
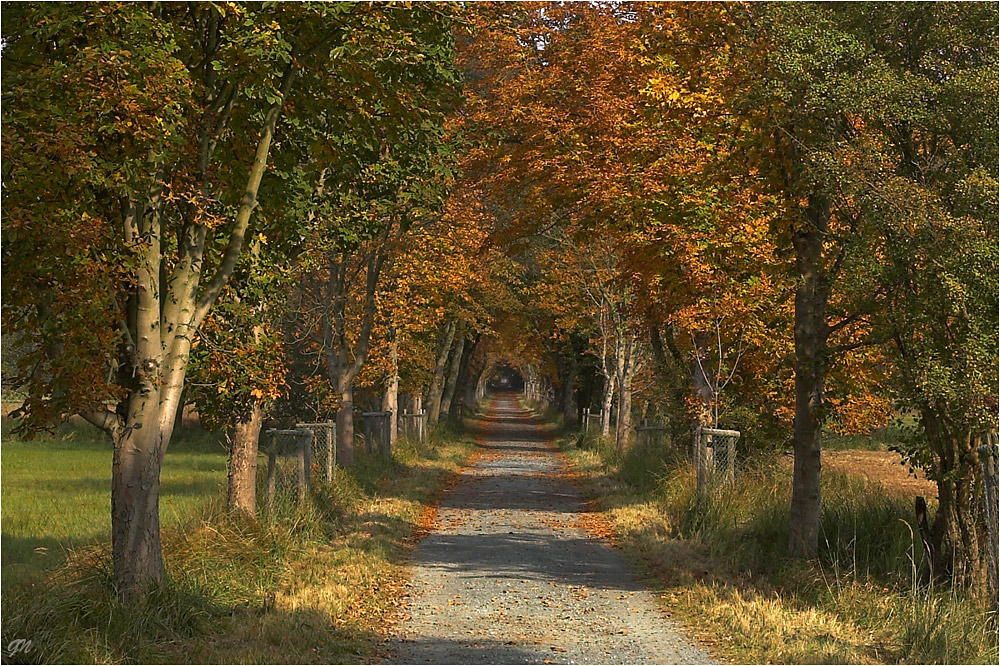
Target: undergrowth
[[315, 583], [720, 562]]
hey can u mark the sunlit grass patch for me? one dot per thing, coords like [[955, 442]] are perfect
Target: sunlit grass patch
[[720, 563], [56, 491], [317, 583]]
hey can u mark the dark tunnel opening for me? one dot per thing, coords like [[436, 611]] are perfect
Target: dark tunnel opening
[[505, 378]]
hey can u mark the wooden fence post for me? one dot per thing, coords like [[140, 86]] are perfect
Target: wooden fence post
[[377, 432], [331, 449], [730, 458], [387, 434], [706, 441], [701, 461]]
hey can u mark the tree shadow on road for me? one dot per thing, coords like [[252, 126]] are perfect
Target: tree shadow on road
[[472, 650], [543, 557]]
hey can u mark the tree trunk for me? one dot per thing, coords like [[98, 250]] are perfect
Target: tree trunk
[[703, 390], [607, 397], [623, 429], [139, 442], [345, 423], [956, 534], [243, 444], [482, 378], [390, 397], [464, 389], [811, 295], [165, 312], [340, 367], [179, 412], [451, 382], [137, 558], [569, 392], [437, 380]]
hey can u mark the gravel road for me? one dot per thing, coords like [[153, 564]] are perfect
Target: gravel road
[[509, 577]]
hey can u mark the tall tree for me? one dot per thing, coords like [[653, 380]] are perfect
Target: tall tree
[[146, 170], [799, 85], [361, 203], [927, 180], [143, 163]]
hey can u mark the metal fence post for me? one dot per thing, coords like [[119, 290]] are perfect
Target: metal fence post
[[303, 459], [272, 463]]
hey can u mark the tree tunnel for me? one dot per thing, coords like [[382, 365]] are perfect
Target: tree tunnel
[[505, 377]]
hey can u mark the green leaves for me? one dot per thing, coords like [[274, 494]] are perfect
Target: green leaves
[[131, 123]]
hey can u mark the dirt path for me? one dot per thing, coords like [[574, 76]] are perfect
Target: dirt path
[[509, 577]]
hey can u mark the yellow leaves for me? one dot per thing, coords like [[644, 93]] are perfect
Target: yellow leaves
[[861, 413], [230, 8]]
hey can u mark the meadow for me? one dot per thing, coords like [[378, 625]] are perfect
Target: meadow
[[312, 583], [55, 495]]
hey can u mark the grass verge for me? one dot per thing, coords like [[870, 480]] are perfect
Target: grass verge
[[720, 564], [317, 583]]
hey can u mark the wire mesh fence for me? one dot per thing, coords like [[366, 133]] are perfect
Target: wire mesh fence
[[376, 432], [289, 462], [652, 435], [714, 456], [323, 446]]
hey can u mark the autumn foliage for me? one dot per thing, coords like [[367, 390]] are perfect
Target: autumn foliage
[[775, 217]]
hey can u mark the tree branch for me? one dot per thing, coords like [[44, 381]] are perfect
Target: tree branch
[[248, 202], [106, 420]]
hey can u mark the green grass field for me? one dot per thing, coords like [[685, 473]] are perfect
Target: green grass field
[[312, 583], [56, 489]]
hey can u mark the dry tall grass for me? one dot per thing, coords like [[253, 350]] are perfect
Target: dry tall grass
[[720, 565]]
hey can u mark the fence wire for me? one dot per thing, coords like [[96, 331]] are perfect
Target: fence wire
[[714, 456], [289, 462], [323, 446], [376, 432]]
